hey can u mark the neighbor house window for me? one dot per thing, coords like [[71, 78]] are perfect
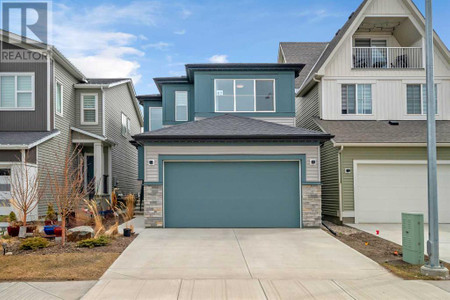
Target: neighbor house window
[[356, 99], [59, 99], [155, 118], [181, 106], [125, 128], [16, 91], [89, 109], [416, 95], [244, 95]]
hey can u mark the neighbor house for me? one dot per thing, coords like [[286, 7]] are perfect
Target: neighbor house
[[220, 149], [366, 87], [48, 106]]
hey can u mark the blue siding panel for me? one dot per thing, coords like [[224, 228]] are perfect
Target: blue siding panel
[[232, 194]]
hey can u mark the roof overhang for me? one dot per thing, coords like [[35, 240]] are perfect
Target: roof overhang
[[342, 144], [31, 145]]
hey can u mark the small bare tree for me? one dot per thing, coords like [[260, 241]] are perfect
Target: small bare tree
[[67, 185], [26, 189]]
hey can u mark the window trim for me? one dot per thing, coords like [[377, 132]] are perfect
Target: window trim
[[187, 106], [254, 96], [61, 114], [150, 116], [33, 91], [356, 99], [422, 114], [95, 109]]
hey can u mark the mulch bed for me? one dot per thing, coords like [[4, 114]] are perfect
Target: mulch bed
[[380, 250]]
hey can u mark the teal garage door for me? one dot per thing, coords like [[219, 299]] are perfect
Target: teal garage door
[[232, 194]]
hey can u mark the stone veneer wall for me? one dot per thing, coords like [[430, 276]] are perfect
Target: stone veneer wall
[[153, 206], [311, 205], [311, 209]]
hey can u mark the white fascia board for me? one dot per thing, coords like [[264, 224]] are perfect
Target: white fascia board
[[93, 135], [386, 144]]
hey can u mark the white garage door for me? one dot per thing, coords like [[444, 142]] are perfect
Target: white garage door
[[384, 191]]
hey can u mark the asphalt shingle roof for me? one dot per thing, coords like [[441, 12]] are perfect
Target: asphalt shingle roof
[[23, 137], [414, 131], [300, 52], [231, 127]]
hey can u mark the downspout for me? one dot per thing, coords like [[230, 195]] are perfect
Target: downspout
[[340, 183]]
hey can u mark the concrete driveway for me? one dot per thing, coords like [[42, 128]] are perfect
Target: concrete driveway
[[249, 264], [393, 232]]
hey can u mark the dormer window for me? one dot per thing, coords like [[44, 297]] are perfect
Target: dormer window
[[244, 95], [181, 106]]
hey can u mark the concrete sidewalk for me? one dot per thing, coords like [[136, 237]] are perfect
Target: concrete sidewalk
[[67, 290], [393, 233]]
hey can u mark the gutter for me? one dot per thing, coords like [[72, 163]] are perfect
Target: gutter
[[324, 137], [335, 144]]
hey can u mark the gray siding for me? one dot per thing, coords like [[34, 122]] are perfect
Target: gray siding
[[51, 153], [307, 108], [124, 155], [97, 129], [27, 120], [329, 171]]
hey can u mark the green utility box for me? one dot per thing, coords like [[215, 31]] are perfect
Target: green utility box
[[412, 238]]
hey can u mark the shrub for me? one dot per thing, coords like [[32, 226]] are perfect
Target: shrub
[[51, 215], [94, 242], [12, 217], [34, 243]]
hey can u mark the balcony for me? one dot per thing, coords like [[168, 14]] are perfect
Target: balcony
[[387, 58]]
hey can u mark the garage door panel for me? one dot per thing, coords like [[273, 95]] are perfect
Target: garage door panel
[[231, 194], [384, 191]]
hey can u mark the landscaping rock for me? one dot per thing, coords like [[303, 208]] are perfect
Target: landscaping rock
[[80, 233], [9, 253]]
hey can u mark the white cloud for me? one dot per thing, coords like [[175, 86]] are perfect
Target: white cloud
[[218, 59], [185, 13], [158, 45], [142, 37], [88, 39], [313, 16], [180, 32]]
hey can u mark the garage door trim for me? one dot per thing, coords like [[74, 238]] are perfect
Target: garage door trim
[[381, 162], [300, 158]]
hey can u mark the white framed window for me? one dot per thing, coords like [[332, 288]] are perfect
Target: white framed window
[[124, 127], [59, 98], [181, 105], [356, 99], [17, 91], [244, 95], [129, 126], [156, 120], [416, 95], [89, 109]]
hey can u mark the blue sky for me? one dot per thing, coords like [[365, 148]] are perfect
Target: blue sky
[[146, 39]]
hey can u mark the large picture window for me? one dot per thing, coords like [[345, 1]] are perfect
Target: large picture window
[[16, 91], [356, 99], [89, 109], [416, 95], [244, 95]]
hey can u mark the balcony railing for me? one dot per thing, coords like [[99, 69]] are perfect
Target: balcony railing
[[387, 58]]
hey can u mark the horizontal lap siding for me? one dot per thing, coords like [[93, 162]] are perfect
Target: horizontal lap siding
[[153, 152], [330, 179], [51, 153], [280, 120], [307, 108], [379, 153], [124, 155]]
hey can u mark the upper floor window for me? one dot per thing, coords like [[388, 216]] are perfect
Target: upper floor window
[[181, 106], [244, 95], [126, 125], [59, 98], [416, 95], [16, 91], [89, 109], [356, 99], [155, 114]]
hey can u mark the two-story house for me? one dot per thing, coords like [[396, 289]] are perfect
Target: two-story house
[[48, 106], [366, 87], [220, 149]]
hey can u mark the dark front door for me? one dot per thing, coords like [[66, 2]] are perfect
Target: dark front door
[[90, 175]]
